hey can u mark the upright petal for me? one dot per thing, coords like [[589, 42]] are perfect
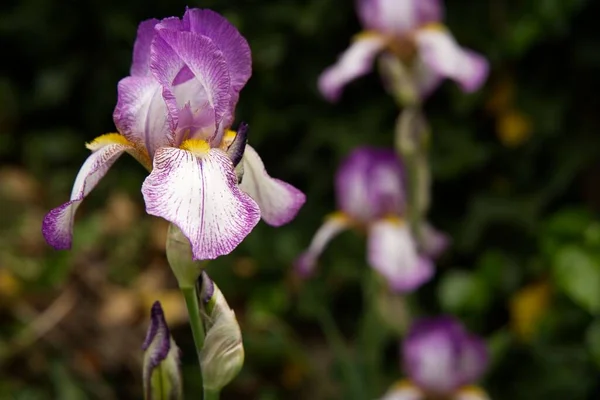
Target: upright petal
[[209, 83], [333, 225], [279, 201], [57, 227], [140, 65], [404, 390], [141, 113], [441, 56], [227, 38], [199, 193], [398, 17], [356, 61], [392, 251]]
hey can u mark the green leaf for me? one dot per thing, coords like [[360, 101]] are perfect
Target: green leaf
[[592, 338], [577, 274], [462, 291]]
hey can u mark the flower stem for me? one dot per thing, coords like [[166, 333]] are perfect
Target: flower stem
[[191, 301], [211, 394]]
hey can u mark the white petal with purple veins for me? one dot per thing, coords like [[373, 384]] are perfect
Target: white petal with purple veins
[[356, 61], [392, 251], [200, 195], [279, 201]]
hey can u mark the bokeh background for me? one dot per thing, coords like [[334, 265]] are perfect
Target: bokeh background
[[516, 184]]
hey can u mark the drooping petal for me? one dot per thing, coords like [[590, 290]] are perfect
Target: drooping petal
[[141, 113], [442, 57], [370, 184], [174, 52], [140, 66], [199, 193], [356, 61], [404, 390], [227, 38], [398, 17], [434, 242], [392, 251], [57, 227], [279, 201], [333, 225], [471, 393]]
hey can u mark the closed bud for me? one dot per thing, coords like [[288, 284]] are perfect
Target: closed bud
[[179, 255], [222, 356], [162, 373]]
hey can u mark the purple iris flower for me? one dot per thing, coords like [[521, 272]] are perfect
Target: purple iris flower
[[371, 194], [411, 30], [174, 114], [442, 361]]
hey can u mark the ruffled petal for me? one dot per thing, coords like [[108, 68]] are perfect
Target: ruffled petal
[[57, 227], [392, 251], [442, 57], [141, 113], [356, 61], [140, 65], [227, 38], [398, 17], [471, 393], [174, 53], [279, 201], [404, 390], [333, 225], [199, 193]]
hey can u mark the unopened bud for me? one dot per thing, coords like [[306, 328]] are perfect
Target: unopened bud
[[179, 255], [222, 356], [162, 374]]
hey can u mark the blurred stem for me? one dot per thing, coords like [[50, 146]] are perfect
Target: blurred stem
[[350, 371], [412, 171], [211, 394], [193, 308]]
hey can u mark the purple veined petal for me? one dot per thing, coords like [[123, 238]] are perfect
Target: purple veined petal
[[471, 393], [279, 201], [57, 227], [392, 252], [404, 390], [356, 61], [227, 38], [174, 52], [398, 17], [434, 243], [333, 225], [172, 23], [441, 56], [199, 194], [141, 113], [140, 65]]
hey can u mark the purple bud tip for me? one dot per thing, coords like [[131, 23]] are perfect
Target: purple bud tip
[[206, 287], [237, 147], [158, 326]]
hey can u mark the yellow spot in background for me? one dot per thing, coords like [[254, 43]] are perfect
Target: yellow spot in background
[[106, 139], [472, 393], [9, 285], [527, 308], [394, 219], [514, 128], [292, 375], [198, 147], [434, 26], [402, 384], [366, 35], [244, 267], [338, 215]]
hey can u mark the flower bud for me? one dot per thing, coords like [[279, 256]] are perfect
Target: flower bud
[[162, 374], [179, 254], [222, 356]]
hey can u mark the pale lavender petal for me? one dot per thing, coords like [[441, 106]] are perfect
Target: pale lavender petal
[[434, 242], [200, 195], [333, 225], [140, 65], [173, 52], [57, 227], [356, 61], [404, 391], [392, 251], [441, 56], [141, 113], [279, 201], [398, 17], [227, 38], [370, 184]]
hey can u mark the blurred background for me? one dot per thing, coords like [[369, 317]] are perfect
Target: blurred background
[[516, 185]]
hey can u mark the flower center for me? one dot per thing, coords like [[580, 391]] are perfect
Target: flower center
[[197, 147]]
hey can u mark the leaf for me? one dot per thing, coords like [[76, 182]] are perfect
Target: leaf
[[462, 291], [592, 338], [577, 274]]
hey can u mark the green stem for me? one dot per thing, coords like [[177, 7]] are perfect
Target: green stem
[[349, 367], [191, 301], [211, 394]]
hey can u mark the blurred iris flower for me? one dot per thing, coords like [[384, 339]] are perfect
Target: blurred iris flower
[[173, 115], [411, 31], [441, 360], [371, 194]]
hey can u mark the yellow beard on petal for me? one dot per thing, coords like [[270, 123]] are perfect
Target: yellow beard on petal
[[197, 147], [228, 138], [136, 151]]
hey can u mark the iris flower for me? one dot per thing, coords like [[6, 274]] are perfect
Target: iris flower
[[174, 114], [442, 361], [411, 30], [371, 195]]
